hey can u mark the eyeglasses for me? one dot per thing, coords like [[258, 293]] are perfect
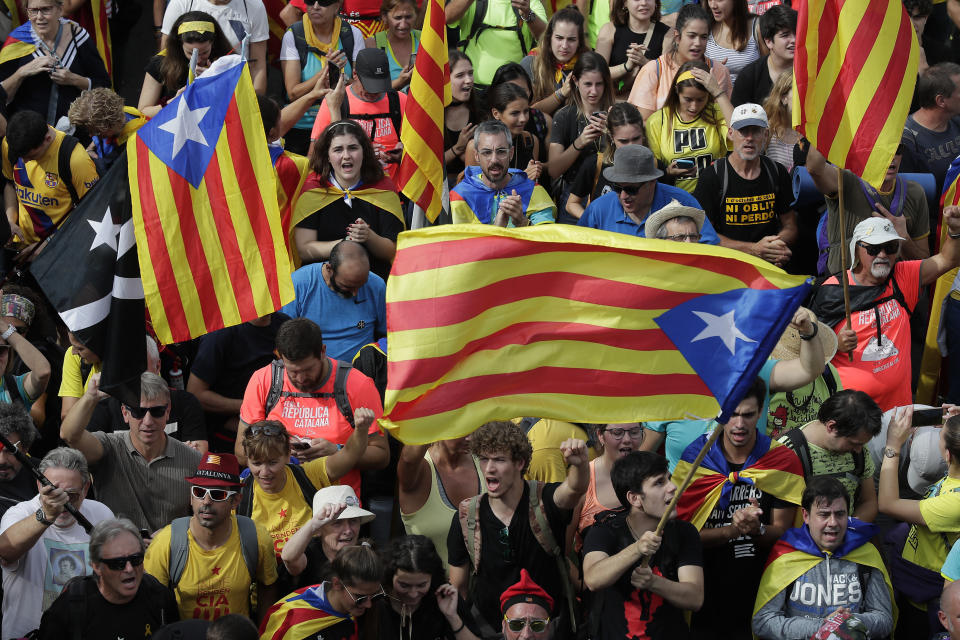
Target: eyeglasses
[[500, 152], [217, 495], [139, 412], [265, 429], [119, 564], [684, 237], [359, 600], [619, 432], [15, 445], [891, 248], [41, 11], [631, 190], [537, 625]]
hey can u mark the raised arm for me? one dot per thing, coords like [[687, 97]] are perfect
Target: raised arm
[[73, 429]]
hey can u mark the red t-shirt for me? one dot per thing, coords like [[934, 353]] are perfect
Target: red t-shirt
[[313, 417], [882, 369]]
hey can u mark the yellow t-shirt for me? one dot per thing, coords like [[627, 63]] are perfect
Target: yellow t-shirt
[[216, 582], [926, 546], [43, 199], [546, 436], [282, 514], [72, 383], [670, 138]]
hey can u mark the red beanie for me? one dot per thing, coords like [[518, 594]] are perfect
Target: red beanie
[[525, 591]]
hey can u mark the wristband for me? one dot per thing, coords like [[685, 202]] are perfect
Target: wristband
[[955, 236], [157, 29], [460, 628], [9, 332], [574, 145], [626, 67], [816, 329]]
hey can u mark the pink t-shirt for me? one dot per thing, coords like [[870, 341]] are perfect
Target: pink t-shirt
[[653, 83]]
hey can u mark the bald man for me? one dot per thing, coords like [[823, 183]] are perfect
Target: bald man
[[950, 609], [344, 298]]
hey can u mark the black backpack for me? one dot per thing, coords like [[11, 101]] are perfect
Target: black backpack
[[393, 100], [797, 441], [64, 169], [245, 508]]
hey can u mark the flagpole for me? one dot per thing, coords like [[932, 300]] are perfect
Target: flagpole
[[192, 71], [843, 251], [712, 440]]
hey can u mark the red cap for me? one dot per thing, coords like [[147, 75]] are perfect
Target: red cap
[[525, 591], [217, 470]]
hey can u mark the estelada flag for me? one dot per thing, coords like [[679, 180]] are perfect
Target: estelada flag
[[771, 467], [854, 73], [302, 614], [572, 324], [209, 236]]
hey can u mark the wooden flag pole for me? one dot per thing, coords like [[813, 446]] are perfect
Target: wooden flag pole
[[683, 486], [843, 252]]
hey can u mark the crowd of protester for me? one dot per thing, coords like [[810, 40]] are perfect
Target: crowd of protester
[[252, 493]]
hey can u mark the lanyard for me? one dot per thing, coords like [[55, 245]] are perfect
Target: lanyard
[[897, 199], [55, 88]]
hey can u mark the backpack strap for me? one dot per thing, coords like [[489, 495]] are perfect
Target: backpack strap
[[526, 424], [249, 545], [179, 549], [797, 441], [276, 386], [64, 169], [346, 40], [596, 175], [393, 100], [721, 167], [540, 527], [245, 508], [77, 604], [470, 527], [300, 41], [307, 487], [479, 13], [10, 384], [340, 390], [830, 380]]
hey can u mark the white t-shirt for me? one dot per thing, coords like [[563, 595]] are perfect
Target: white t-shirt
[[288, 47], [236, 19], [34, 582]]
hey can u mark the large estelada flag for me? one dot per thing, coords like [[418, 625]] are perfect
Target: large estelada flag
[[209, 236], [854, 73], [572, 324], [420, 176], [89, 272]]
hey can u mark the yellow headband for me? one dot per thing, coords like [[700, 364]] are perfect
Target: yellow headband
[[686, 75], [198, 26]]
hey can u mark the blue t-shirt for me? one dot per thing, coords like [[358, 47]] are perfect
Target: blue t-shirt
[[607, 213], [347, 323], [680, 433], [951, 567]]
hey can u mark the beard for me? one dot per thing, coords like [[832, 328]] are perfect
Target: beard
[[880, 270]]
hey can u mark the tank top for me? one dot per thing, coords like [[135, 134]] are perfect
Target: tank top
[[380, 38], [735, 60], [591, 503], [434, 517], [623, 37]]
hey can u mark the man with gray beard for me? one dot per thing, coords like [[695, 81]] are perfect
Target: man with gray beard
[[883, 293]]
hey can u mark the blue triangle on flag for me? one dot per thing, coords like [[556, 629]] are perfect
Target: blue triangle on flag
[[727, 337], [184, 134]]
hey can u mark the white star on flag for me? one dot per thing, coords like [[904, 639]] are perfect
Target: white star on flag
[[722, 327], [185, 126], [106, 231]]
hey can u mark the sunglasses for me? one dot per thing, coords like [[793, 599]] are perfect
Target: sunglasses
[[265, 429], [891, 248], [631, 190], [359, 600], [217, 495], [537, 625], [119, 564], [322, 3], [139, 412]]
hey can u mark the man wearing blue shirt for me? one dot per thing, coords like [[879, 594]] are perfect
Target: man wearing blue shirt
[[636, 194], [343, 298]]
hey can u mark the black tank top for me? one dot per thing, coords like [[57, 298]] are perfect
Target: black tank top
[[623, 37]]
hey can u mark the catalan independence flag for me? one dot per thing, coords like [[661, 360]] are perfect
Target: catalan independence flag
[[572, 324], [420, 176], [302, 614], [209, 236], [771, 467], [854, 73], [19, 43], [795, 553]]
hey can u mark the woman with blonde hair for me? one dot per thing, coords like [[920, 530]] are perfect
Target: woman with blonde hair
[[779, 108]]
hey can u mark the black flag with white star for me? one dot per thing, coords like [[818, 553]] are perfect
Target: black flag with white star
[[89, 272]]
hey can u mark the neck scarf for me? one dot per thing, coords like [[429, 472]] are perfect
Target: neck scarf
[[314, 43]]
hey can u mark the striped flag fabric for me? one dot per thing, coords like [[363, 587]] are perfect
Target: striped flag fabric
[[420, 176], [212, 249], [566, 323], [854, 73]]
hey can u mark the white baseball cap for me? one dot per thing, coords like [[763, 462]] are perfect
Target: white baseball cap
[[749, 115], [871, 231]]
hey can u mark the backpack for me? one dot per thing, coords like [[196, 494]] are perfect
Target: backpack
[[339, 390], [468, 511], [64, 170], [180, 548], [478, 26], [245, 508], [300, 40], [797, 441], [10, 384], [393, 99]]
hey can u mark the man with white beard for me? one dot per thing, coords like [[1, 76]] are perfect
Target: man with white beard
[[883, 293]]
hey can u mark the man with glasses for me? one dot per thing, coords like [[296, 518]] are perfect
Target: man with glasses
[[493, 193], [636, 195], [212, 569], [746, 195], [526, 610], [346, 301], [884, 291], [36, 534], [118, 600], [676, 222], [139, 472]]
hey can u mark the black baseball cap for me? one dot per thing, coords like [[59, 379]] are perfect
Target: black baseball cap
[[373, 69]]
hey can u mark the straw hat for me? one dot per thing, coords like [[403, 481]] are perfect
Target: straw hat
[[788, 347]]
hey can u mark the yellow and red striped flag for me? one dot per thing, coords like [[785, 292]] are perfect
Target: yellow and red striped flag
[[854, 73], [212, 249], [574, 324], [420, 176]]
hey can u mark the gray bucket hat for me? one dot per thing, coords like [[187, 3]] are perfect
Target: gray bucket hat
[[632, 164]]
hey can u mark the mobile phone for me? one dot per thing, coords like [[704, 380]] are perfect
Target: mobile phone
[[300, 445], [413, 60], [334, 74], [685, 163], [599, 114], [927, 417]]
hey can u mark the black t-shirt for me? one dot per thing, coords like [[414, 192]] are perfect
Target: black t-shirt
[[332, 221], [154, 66], [567, 125], [426, 623], [753, 83], [152, 607], [623, 37], [503, 554], [588, 183], [23, 487], [751, 209], [184, 424], [622, 611], [734, 568]]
